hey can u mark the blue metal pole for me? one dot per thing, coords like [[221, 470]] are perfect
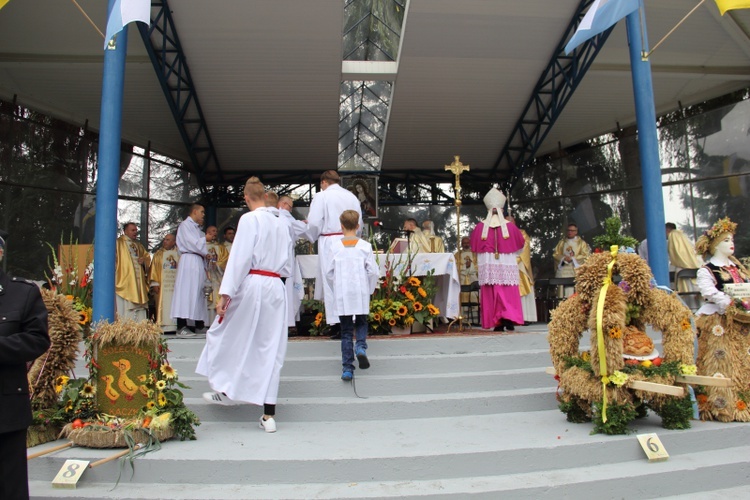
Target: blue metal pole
[[108, 177], [648, 146]]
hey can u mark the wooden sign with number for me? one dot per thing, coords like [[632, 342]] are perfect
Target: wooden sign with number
[[70, 473], [651, 444]]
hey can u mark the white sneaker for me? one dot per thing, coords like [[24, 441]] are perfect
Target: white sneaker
[[219, 399], [268, 425], [185, 333]]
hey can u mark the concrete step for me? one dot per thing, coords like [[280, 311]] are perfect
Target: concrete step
[[683, 477], [374, 382]]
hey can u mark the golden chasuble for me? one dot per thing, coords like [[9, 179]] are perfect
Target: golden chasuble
[[524, 266], [681, 251], [218, 253], [217, 258], [420, 242], [130, 276], [163, 271], [578, 249], [436, 244]]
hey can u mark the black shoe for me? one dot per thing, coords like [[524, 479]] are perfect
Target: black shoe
[[509, 325], [498, 328]]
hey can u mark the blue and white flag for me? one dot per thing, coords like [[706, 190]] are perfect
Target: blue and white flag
[[124, 12], [602, 15]]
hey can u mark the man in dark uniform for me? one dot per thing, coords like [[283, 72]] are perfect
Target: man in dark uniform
[[23, 337]]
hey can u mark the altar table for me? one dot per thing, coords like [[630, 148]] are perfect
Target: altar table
[[447, 283]]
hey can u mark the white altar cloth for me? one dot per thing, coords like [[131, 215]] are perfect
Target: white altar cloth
[[446, 275]]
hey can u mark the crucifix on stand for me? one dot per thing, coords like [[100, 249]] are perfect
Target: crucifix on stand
[[457, 168]]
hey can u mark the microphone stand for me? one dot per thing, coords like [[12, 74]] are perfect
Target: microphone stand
[[457, 168]]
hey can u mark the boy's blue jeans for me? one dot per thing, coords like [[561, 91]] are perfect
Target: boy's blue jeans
[[349, 326]]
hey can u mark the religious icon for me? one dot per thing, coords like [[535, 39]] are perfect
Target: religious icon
[[365, 188]]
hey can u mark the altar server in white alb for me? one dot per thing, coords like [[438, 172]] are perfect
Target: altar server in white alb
[[353, 276], [246, 344], [324, 226], [189, 302], [295, 289]]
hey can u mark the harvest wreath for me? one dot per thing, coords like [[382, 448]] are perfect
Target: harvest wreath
[[601, 384]]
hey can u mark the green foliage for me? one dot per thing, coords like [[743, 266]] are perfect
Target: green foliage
[[641, 411], [319, 325], [666, 369], [618, 418], [183, 422], [612, 236], [573, 411], [581, 363], [675, 412]]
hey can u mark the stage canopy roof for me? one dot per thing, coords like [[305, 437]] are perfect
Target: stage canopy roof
[[442, 78]]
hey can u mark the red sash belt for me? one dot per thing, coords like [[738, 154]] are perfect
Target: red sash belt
[[332, 234], [264, 273]]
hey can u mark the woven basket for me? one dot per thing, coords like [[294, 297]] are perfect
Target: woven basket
[[95, 436]]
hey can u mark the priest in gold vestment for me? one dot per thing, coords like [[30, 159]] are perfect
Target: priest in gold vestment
[[131, 289], [216, 262], [468, 273], [161, 277], [436, 244], [681, 256], [569, 254], [418, 242], [526, 286]]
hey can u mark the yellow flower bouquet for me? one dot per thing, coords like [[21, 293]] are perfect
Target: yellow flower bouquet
[[400, 299]]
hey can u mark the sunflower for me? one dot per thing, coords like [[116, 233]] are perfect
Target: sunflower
[[168, 371], [83, 317], [402, 311], [741, 405], [319, 317], [150, 405], [685, 324], [161, 385], [418, 306], [87, 391], [69, 406], [413, 281], [162, 399], [58, 389], [62, 380], [615, 332], [392, 322], [409, 296], [377, 317], [421, 292], [433, 310], [69, 297], [409, 321]]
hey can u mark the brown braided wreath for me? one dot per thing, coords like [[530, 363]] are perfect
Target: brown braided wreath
[[634, 301]]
